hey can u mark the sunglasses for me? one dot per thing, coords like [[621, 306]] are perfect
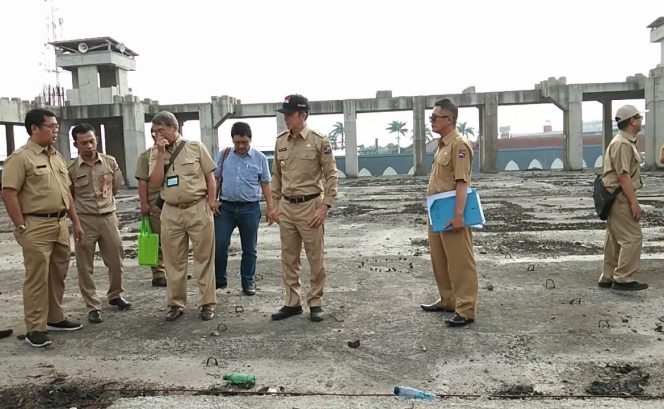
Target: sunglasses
[[433, 118]]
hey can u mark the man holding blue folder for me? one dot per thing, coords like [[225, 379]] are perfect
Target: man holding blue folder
[[452, 255]]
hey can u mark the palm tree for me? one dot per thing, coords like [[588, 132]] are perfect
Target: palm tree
[[337, 133], [400, 129], [465, 130], [428, 135]]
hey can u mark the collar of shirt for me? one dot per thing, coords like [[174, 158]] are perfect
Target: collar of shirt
[[627, 136], [80, 160], [38, 149], [447, 139], [303, 133]]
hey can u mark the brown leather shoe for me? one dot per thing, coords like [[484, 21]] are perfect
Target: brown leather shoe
[[434, 308], [207, 312], [174, 313]]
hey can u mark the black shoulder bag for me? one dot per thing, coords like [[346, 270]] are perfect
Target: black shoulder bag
[[603, 198], [160, 201]]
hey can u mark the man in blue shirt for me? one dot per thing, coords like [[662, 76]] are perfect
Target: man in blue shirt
[[242, 173]]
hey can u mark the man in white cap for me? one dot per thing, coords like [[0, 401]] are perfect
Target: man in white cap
[[622, 247]]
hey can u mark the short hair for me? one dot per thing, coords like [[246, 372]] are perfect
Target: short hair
[[242, 129], [165, 118], [36, 117], [448, 105], [622, 125], [82, 128]]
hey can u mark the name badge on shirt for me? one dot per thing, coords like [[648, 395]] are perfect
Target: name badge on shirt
[[172, 181]]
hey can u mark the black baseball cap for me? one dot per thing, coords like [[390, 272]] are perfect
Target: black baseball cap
[[293, 103]]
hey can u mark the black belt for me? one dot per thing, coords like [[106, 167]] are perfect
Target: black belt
[[301, 199], [238, 203], [59, 214]]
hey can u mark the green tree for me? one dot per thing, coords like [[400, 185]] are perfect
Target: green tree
[[400, 129], [337, 135], [428, 135], [465, 130]]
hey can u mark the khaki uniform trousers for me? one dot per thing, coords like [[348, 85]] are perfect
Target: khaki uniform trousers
[[293, 229], [178, 226], [102, 229], [622, 246], [159, 270], [46, 254], [455, 270]]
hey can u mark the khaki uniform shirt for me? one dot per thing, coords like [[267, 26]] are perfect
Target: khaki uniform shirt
[[304, 165], [39, 175], [143, 173], [93, 185], [451, 163], [622, 156], [190, 167]]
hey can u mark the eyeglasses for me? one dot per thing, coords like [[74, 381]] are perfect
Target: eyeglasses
[[159, 131], [52, 127], [433, 118]]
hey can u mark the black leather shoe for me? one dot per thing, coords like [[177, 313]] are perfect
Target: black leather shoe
[[285, 312], [221, 285], [94, 317], [434, 308], [458, 321], [249, 289], [121, 303], [316, 314], [159, 282], [631, 286], [174, 313], [5, 333], [207, 313], [604, 284]]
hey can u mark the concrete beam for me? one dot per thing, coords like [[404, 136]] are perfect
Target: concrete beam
[[209, 133], [133, 130], [350, 135], [9, 137], [573, 128], [489, 134], [654, 96], [419, 136], [607, 125]]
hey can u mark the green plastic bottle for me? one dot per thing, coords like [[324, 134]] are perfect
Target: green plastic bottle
[[236, 378]]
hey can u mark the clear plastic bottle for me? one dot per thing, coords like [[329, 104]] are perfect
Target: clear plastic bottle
[[405, 392]]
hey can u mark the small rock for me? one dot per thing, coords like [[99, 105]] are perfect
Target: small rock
[[489, 287], [354, 344], [329, 384]]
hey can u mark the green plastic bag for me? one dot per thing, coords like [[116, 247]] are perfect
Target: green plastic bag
[[148, 244]]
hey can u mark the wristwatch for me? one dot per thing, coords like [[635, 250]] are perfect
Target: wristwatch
[[21, 228]]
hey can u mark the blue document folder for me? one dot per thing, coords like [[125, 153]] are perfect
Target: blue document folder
[[442, 207]]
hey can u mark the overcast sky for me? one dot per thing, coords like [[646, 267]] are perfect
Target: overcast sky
[[262, 50]]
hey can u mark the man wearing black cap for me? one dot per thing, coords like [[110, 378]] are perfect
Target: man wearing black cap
[[622, 247], [304, 187]]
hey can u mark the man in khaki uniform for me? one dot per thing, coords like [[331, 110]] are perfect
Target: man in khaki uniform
[[148, 196], [452, 255], [95, 179], [304, 187], [188, 189], [622, 246], [35, 189]]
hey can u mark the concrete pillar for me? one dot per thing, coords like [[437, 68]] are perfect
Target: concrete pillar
[[607, 125], [62, 143], [350, 131], [209, 133], [9, 135], [419, 135], [654, 96], [573, 129], [181, 126], [281, 125], [489, 134], [114, 142], [133, 129]]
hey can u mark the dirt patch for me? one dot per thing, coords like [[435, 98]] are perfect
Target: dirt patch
[[619, 380], [517, 390]]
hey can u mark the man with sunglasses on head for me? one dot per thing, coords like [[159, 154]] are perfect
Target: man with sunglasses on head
[[622, 170], [304, 188], [188, 189], [452, 255], [35, 189]]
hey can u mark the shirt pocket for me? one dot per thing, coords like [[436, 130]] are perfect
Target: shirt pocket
[[189, 168], [39, 177], [308, 154], [82, 181], [249, 173], [443, 158]]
